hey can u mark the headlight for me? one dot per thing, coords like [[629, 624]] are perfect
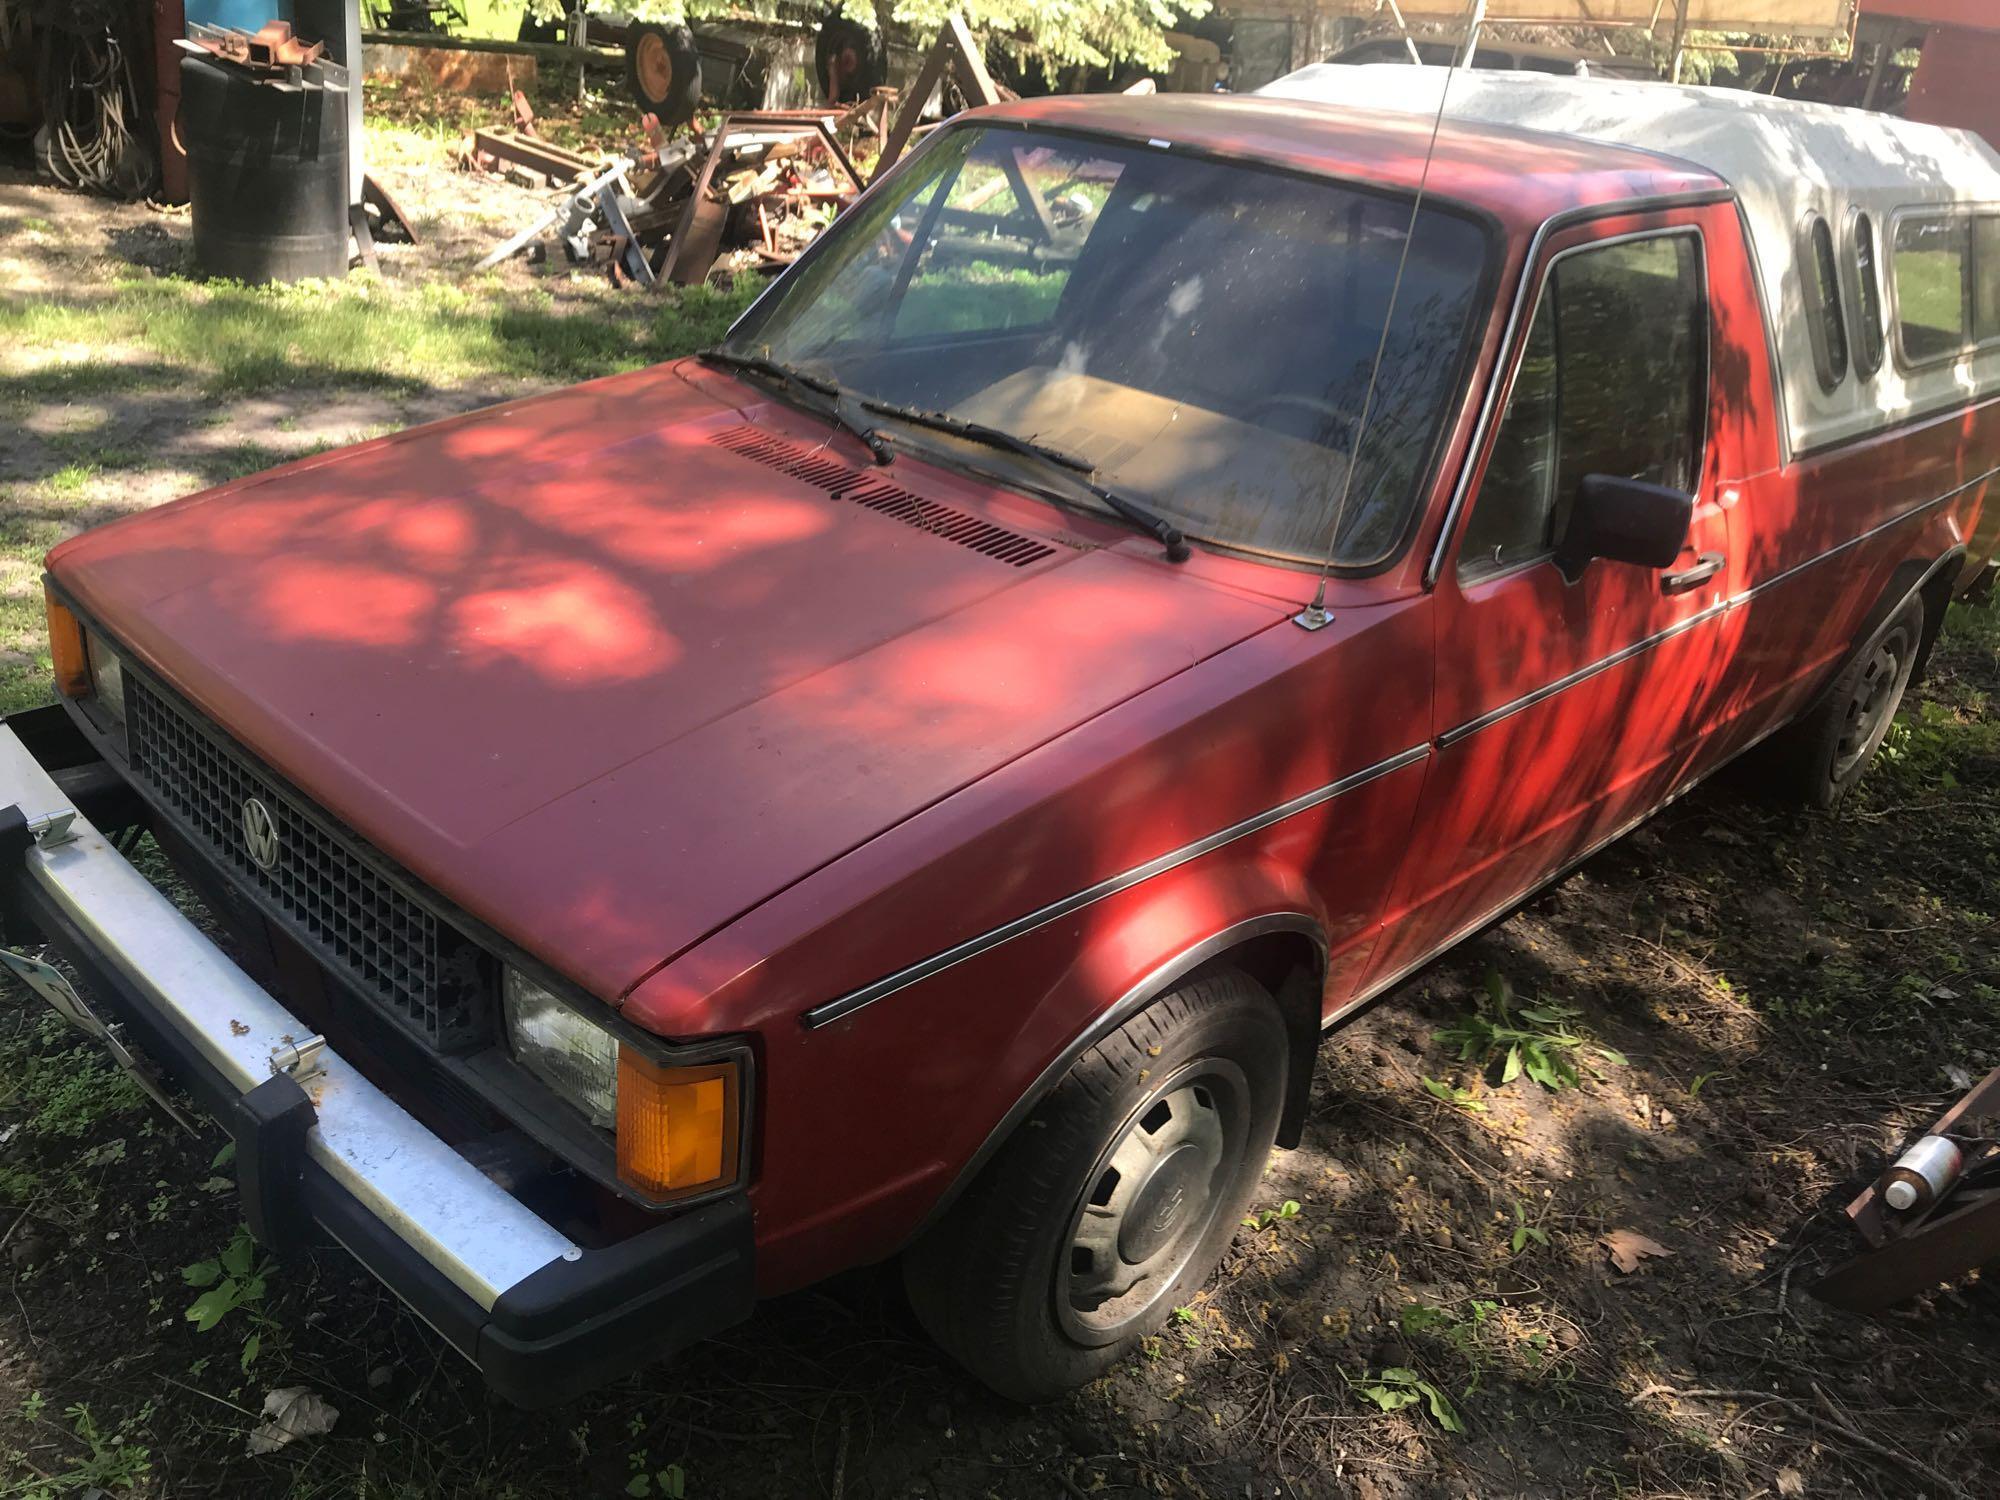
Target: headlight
[[573, 1056], [107, 676], [677, 1126]]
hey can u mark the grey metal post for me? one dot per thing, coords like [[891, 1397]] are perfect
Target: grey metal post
[[350, 43], [338, 24], [1472, 32]]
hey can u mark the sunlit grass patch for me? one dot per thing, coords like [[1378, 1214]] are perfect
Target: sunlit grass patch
[[24, 683], [698, 316], [71, 479], [1944, 734], [359, 333], [90, 453]]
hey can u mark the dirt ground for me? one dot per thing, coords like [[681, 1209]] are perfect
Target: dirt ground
[[1759, 1005]]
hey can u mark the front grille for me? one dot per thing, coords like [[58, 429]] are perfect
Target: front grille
[[358, 922]]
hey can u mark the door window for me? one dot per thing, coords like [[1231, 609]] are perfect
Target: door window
[[1613, 380]]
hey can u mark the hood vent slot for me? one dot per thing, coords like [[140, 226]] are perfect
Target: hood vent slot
[[839, 482]]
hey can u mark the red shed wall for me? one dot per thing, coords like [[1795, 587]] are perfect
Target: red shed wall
[[1955, 81], [1972, 13]]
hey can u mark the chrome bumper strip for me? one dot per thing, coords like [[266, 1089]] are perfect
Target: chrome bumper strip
[[468, 1228]]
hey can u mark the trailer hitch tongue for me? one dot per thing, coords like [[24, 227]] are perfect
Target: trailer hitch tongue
[[48, 981]]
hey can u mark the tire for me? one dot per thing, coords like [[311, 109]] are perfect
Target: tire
[[848, 60], [1980, 593], [663, 70], [1826, 750], [1114, 1199]]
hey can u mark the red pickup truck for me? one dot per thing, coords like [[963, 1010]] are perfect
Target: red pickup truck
[[922, 778]]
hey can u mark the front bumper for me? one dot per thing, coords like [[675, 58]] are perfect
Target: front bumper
[[543, 1318]]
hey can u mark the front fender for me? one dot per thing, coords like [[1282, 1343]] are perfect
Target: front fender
[[1150, 953], [873, 1123]]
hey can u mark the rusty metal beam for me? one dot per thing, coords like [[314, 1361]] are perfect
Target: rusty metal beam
[[955, 49], [532, 152], [1913, 1252], [699, 233], [1867, 1211], [1947, 1246]]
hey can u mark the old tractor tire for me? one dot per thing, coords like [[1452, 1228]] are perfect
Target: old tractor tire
[[848, 60], [664, 72]]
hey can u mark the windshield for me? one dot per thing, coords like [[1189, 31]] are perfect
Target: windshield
[[1201, 332]]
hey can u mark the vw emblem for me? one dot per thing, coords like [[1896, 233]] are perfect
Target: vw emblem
[[260, 834]]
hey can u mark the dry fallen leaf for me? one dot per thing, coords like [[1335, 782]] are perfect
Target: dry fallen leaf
[[1628, 1247], [1790, 1483], [291, 1412]]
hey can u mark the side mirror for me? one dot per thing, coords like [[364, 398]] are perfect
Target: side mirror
[[1624, 520]]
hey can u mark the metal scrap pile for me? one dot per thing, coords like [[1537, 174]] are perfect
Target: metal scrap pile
[[749, 193]]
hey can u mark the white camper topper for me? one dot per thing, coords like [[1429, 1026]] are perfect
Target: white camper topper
[[1794, 167]]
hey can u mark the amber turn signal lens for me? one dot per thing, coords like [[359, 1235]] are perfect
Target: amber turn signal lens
[[66, 649], [677, 1127]]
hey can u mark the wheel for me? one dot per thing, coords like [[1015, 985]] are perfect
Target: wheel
[[664, 72], [847, 60], [1114, 1200], [1826, 750]]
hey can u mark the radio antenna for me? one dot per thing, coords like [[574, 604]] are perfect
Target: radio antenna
[[1315, 615]]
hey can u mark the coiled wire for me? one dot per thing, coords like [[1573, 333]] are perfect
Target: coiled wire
[[90, 100]]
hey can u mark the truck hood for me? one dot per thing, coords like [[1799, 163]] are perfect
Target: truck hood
[[609, 667]]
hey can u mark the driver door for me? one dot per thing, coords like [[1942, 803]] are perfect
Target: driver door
[[1570, 704]]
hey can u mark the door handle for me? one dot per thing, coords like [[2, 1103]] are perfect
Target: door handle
[[1705, 567]]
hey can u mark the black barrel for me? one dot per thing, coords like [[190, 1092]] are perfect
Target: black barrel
[[267, 174]]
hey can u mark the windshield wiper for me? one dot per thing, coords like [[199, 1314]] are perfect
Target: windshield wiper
[[1079, 469], [839, 407]]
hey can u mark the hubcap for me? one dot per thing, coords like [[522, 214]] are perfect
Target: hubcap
[[1872, 706], [1177, 1187], [1151, 1201]]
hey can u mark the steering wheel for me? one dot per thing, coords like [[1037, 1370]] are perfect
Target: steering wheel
[[1331, 417]]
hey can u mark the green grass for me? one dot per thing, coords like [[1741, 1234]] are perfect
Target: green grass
[[1953, 727], [360, 333], [978, 297], [72, 479], [1930, 300]]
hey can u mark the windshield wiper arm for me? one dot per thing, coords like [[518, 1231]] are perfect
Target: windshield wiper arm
[[979, 432], [1080, 469], [839, 408]]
